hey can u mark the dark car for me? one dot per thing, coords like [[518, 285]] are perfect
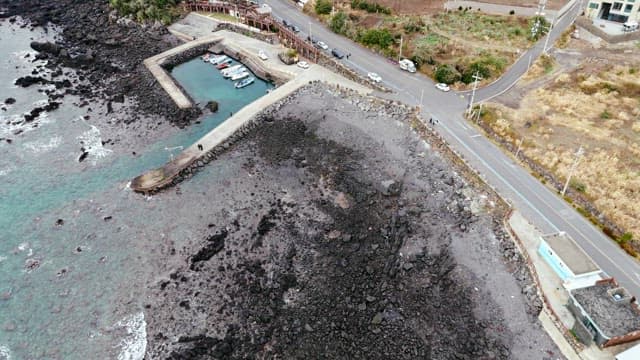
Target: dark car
[[337, 53], [312, 39], [285, 23], [295, 29]]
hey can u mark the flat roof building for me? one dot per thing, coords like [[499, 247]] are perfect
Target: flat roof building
[[569, 261], [606, 314]]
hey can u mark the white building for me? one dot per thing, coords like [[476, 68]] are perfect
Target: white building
[[619, 11]]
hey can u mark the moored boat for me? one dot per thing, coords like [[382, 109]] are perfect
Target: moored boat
[[215, 60], [230, 69], [239, 76], [229, 74], [244, 82], [206, 56], [224, 64]]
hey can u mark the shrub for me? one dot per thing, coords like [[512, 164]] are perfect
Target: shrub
[[374, 37], [578, 185], [538, 27], [512, 12], [338, 23], [370, 7], [605, 115], [446, 74], [323, 7], [626, 237], [476, 68], [161, 10]]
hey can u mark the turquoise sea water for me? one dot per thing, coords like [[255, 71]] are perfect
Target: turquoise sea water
[[82, 298]]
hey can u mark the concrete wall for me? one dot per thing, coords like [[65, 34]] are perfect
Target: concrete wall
[[612, 39]]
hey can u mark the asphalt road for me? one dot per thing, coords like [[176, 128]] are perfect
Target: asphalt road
[[539, 204]]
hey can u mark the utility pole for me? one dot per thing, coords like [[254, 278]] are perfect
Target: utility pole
[[476, 77], [310, 37], [400, 55], [573, 168], [479, 113], [546, 42], [529, 64], [421, 98], [519, 147]]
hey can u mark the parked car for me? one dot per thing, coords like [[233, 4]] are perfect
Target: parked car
[[322, 45], [262, 55], [303, 64], [374, 77], [295, 29], [285, 23], [337, 53], [443, 87], [312, 39]]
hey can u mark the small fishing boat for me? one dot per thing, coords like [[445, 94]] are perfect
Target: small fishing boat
[[218, 59], [244, 82], [240, 76], [206, 56], [230, 69], [234, 72], [224, 64]]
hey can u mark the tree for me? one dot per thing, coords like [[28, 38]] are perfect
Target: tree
[[381, 38], [339, 23], [446, 74], [323, 7]]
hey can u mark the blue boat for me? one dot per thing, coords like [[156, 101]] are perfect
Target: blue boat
[[244, 82]]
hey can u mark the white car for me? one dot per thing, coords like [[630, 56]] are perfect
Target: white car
[[322, 45], [262, 55], [443, 87], [374, 77], [303, 64]]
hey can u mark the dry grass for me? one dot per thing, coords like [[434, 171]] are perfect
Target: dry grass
[[594, 107]]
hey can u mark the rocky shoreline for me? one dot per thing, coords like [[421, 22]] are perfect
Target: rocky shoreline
[[341, 233], [105, 51]]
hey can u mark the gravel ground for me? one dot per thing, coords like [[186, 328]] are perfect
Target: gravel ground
[[334, 231]]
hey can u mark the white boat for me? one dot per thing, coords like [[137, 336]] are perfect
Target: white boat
[[239, 76], [218, 59], [244, 82], [230, 70], [236, 72]]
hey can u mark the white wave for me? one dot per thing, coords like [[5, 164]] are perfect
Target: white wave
[[5, 171], [134, 345], [93, 144], [10, 124], [2, 258], [5, 353], [38, 147], [24, 246]]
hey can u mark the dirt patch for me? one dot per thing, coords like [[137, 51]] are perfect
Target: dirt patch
[[551, 4], [344, 230], [413, 7], [593, 103]]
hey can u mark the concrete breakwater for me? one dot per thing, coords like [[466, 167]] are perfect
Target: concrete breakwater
[[220, 139]]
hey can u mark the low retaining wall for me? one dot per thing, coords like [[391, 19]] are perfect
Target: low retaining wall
[[611, 39]]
